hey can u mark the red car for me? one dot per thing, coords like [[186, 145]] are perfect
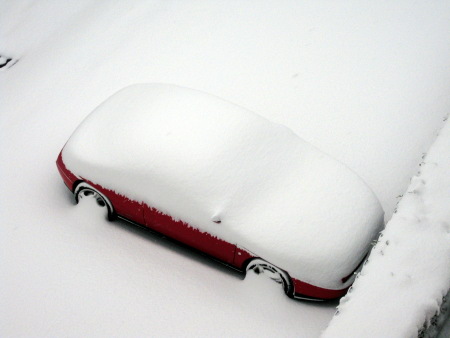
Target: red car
[[227, 182]]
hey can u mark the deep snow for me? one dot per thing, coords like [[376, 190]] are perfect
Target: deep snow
[[365, 82], [410, 265], [194, 157]]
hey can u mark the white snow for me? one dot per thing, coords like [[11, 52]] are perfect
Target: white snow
[[366, 82], [410, 265], [194, 156]]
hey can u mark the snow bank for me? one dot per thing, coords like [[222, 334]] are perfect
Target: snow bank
[[197, 158], [366, 82], [408, 272]]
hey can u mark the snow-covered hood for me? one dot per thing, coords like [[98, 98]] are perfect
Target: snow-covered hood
[[198, 158]]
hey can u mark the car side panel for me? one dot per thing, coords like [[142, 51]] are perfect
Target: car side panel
[[123, 206], [308, 290], [143, 214], [242, 257], [189, 235], [178, 230], [68, 177]]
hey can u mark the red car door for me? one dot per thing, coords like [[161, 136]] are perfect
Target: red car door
[[189, 235], [123, 206]]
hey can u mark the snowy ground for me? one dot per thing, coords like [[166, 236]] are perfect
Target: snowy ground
[[410, 263], [365, 82]]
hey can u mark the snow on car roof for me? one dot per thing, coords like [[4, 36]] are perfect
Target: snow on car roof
[[199, 158]]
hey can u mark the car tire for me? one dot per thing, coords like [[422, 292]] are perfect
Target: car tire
[[259, 266], [85, 190]]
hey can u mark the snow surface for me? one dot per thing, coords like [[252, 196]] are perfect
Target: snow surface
[[195, 157], [366, 82], [410, 265]]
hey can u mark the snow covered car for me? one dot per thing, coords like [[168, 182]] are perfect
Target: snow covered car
[[227, 182]]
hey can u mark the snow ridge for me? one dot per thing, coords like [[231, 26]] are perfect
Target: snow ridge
[[409, 265]]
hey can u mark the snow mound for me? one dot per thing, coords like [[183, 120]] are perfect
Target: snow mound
[[410, 265], [198, 158]]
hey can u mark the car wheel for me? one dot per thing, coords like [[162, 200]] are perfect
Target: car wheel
[[260, 266], [85, 190]]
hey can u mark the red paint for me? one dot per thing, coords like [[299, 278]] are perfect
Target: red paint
[[68, 177], [123, 206], [242, 257], [141, 213], [305, 289], [189, 235]]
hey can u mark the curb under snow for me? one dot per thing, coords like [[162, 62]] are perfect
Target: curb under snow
[[401, 290]]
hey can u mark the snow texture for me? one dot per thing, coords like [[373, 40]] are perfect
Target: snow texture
[[410, 265], [196, 157], [366, 82]]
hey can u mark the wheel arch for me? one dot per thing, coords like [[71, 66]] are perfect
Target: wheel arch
[[81, 185], [288, 284], [75, 184]]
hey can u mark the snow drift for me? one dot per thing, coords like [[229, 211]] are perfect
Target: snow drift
[[197, 158], [410, 263]]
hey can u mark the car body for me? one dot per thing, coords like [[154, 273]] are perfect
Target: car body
[[226, 182]]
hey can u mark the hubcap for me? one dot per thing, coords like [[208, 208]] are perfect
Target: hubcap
[[92, 194], [269, 271], [259, 265]]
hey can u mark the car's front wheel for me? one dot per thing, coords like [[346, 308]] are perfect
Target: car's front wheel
[[260, 266], [84, 190]]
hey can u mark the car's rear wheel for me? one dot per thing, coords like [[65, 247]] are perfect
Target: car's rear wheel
[[84, 190], [260, 266]]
